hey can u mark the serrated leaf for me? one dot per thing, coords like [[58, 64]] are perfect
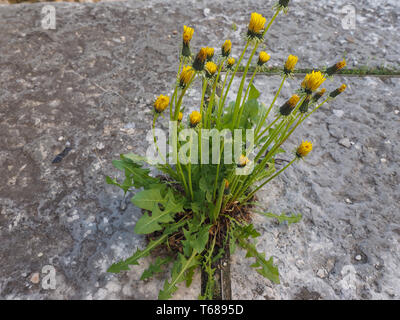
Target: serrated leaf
[[154, 268], [133, 260], [294, 218], [163, 209], [263, 267], [181, 266]]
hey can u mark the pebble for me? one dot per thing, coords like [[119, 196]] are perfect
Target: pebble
[[396, 111], [206, 12], [338, 113], [348, 201], [383, 160], [35, 278], [100, 146], [40, 254], [345, 142], [322, 273], [358, 257]]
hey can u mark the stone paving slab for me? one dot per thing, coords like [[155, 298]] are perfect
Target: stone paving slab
[[89, 84], [348, 190]]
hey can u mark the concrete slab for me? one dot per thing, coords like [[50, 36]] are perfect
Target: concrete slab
[[89, 85], [347, 244]]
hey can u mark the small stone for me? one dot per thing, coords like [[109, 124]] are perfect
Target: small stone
[[35, 278], [100, 146], [206, 12], [300, 264], [322, 273], [358, 257], [40, 254], [61, 138], [383, 160], [175, 32], [345, 142], [338, 113], [224, 264], [24, 274], [396, 111], [348, 201]]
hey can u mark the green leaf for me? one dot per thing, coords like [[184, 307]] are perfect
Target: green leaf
[[155, 268], [163, 209], [294, 218], [254, 93], [263, 267], [181, 267], [133, 260]]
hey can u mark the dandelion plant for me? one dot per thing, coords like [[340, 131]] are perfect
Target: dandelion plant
[[216, 158]]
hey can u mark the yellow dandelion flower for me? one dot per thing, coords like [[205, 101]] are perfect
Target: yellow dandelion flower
[[289, 105], [226, 48], [187, 34], [195, 118], [180, 116], [313, 81], [338, 91], [263, 58], [211, 68], [230, 62], [290, 64], [256, 25], [243, 161], [336, 67], [201, 57], [318, 95], [304, 149], [210, 53], [186, 76], [161, 103]]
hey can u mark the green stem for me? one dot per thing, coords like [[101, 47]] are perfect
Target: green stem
[[268, 180], [259, 126], [245, 96]]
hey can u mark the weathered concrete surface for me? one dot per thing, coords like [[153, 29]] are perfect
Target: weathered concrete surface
[[347, 244], [89, 84]]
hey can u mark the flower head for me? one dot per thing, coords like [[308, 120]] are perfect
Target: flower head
[[336, 67], [187, 34], [290, 64], [180, 116], [161, 103], [195, 118], [338, 91], [211, 68], [210, 53], [289, 105], [284, 3], [230, 62], [304, 105], [243, 161], [318, 95], [186, 76], [312, 81], [263, 58], [304, 149], [226, 48], [256, 25], [201, 57]]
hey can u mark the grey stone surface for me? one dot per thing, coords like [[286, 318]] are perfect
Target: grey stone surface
[[347, 244], [89, 85]]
